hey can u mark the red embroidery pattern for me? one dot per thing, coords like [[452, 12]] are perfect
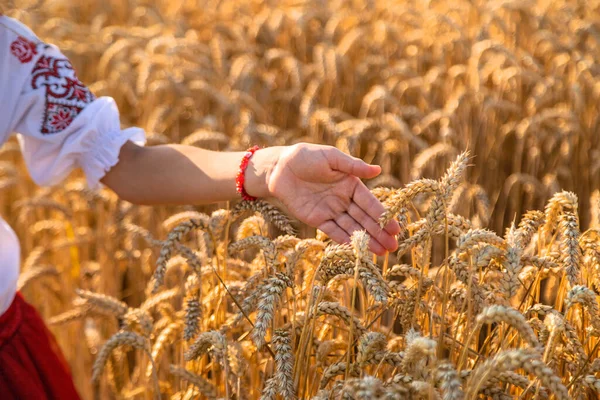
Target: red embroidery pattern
[[66, 96], [23, 49]]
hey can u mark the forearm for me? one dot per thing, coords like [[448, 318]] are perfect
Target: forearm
[[177, 174]]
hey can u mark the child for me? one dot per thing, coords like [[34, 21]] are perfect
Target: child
[[62, 126]]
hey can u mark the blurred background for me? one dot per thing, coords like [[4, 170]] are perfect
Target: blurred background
[[404, 84]]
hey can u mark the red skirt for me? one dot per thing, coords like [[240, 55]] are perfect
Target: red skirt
[[31, 363]]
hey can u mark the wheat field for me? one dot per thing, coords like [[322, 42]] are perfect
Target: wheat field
[[484, 116]]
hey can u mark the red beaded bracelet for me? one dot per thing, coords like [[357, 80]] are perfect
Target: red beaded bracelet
[[239, 179]]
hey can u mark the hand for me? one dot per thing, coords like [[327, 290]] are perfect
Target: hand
[[321, 186]]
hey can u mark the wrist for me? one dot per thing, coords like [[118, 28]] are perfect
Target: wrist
[[259, 171]]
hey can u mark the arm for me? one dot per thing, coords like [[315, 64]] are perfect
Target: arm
[[319, 185], [178, 174]]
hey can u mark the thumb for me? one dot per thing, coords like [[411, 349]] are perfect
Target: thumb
[[342, 162]]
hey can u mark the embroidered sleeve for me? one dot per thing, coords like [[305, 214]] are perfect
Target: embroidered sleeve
[[23, 49], [65, 96], [61, 125]]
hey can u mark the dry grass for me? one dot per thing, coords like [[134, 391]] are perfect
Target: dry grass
[[486, 298]]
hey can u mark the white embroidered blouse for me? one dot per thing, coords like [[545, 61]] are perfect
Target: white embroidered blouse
[[59, 123]]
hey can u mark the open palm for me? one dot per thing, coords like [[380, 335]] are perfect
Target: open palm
[[321, 187]]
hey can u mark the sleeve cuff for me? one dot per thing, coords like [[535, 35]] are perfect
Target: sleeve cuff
[[104, 153]]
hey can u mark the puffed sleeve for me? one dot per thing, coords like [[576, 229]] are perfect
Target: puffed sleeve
[[61, 125]]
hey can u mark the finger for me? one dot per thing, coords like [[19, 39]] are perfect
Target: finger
[[363, 218], [370, 205], [381, 235], [342, 162], [336, 233], [349, 224]]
